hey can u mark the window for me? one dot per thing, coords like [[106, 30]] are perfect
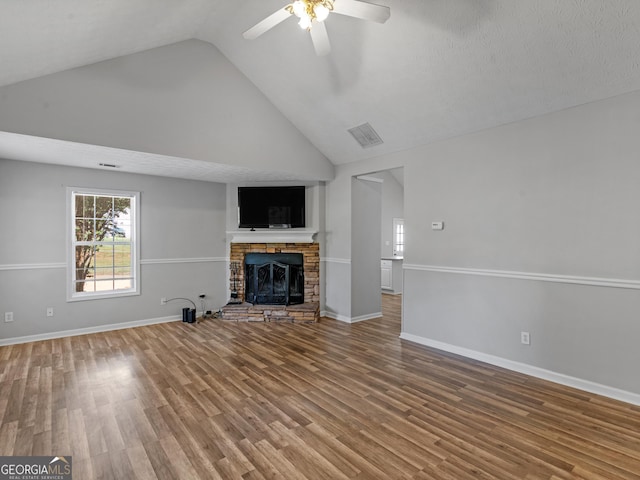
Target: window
[[103, 255], [398, 237]]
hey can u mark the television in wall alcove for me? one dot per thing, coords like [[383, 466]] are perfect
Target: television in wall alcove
[[271, 207]]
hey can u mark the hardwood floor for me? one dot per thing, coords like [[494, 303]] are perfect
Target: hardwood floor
[[319, 401]]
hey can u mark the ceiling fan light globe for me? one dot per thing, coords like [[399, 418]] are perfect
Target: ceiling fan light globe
[[305, 22], [299, 8], [321, 12]]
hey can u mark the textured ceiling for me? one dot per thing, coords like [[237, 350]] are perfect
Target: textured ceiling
[[435, 70], [38, 37]]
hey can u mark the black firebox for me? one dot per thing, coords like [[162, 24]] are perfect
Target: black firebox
[[274, 278]]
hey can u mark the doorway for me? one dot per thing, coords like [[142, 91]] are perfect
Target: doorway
[[384, 237], [392, 248]]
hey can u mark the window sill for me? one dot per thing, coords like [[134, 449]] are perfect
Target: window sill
[[101, 296]]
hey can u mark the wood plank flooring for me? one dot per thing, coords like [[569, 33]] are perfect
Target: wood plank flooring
[[226, 400]]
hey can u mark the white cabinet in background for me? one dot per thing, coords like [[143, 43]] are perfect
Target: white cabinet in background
[[391, 275], [386, 274]]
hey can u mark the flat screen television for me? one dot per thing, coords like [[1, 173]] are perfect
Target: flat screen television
[[271, 207]]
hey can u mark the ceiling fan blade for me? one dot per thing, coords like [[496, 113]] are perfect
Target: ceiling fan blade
[[266, 24], [320, 38], [364, 10]]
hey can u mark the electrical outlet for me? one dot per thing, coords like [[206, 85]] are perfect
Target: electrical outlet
[[525, 338], [49, 311], [8, 317], [163, 301]]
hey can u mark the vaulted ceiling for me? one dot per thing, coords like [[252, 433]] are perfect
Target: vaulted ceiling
[[435, 70]]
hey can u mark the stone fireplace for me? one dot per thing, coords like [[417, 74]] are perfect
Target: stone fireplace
[[256, 262]]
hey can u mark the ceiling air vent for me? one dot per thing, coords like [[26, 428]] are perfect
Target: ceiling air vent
[[365, 135]]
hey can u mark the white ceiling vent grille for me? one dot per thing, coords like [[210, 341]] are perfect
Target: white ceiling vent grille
[[366, 135]]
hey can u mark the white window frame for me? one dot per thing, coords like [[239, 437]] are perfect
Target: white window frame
[[72, 295], [399, 237]]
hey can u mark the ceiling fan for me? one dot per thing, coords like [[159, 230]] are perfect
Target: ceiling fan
[[312, 14]]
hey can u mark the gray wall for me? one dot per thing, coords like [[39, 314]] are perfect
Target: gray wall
[[541, 235], [365, 249], [182, 248], [184, 100], [338, 248]]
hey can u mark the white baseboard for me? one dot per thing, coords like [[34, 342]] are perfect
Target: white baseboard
[[345, 319], [580, 384], [85, 331], [335, 316], [362, 318]]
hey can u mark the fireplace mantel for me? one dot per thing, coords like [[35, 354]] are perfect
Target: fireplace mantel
[[281, 235]]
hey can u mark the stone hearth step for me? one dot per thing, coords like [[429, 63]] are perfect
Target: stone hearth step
[[247, 312]]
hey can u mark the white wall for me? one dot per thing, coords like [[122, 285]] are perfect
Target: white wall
[[540, 224], [182, 248], [184, 100]]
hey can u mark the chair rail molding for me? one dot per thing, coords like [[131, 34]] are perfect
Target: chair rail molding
[[33, 266], [159, 261], [541, 277]]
